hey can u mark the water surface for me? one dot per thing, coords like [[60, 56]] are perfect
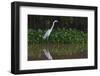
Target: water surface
[[57, 51]]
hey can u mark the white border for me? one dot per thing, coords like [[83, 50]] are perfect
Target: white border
[[26, 65]]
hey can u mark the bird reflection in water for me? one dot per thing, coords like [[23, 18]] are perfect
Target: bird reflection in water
[[47, 54]]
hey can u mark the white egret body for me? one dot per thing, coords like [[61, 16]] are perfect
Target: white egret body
[[47, 34]]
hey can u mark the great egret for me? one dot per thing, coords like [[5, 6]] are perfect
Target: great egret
[[47, 34]]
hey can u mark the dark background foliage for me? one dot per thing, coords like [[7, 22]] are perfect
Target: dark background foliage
[[43, 22]]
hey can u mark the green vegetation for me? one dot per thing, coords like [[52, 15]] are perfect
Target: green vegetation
[[57, 36]]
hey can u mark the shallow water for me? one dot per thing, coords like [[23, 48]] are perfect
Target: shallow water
[[57, 51]]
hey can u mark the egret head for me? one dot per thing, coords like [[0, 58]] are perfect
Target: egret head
[[55, 20]]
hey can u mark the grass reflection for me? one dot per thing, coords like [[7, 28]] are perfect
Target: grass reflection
[[58, 51]]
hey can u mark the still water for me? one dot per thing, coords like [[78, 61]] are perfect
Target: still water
[[57, 51]]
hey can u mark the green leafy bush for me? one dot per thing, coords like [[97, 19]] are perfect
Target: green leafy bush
[[59, 35]]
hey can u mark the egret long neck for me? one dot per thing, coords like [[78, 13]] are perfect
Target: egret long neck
[[52, 25]]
